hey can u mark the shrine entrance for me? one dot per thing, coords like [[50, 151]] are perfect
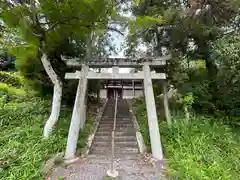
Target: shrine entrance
[[112, 91], [146, 75], [114, 87]]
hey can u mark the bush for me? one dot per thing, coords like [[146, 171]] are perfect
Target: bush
[[5, 89], [201, 148], [216, 90], [12, 79], [23, 148], [9, 91], [140, 112]]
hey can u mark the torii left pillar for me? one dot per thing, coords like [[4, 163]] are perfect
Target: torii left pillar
[[77, 117]]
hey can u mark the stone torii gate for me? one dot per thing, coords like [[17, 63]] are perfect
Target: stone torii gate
[[79, 110]]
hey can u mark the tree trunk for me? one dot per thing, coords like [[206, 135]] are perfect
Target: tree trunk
[[166, 105], [187, 114], [57, 96]]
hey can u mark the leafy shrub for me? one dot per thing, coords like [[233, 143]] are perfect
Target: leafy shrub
[[23, 148], [226, 91], [140, 112], [201, 148], [4, 88], [216, 92], [7, 61], [12, 79]]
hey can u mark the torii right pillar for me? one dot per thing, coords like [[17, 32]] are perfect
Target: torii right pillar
[[156, 145]]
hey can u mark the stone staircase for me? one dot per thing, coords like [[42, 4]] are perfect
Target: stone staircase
[[126, 147], [128, 161]]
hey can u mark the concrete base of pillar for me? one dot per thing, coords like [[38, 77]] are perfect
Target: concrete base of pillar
[[113, 173], [71, 160]]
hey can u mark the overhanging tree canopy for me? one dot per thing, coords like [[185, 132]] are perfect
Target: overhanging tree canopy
[[49, 29]]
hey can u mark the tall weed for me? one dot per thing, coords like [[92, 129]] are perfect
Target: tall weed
[[201, 148], [23, 148]]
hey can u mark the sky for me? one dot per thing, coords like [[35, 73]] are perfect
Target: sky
[[118, 40]]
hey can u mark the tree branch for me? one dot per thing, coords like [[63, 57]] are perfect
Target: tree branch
[[114, 29]]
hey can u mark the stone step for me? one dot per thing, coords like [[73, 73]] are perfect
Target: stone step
[[111, 115], [121, 151], [126, 146], [117, 123], [117, 138], [118, 119], [110, 126], [116, 133], [118, 129], [132, 144], [108, 146], [109, 111], [111, 118], [107, 159], [118, 154]]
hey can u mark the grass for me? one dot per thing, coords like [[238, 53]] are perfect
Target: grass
[[12, 79], [23, 148], [5, 89], [203, 148]]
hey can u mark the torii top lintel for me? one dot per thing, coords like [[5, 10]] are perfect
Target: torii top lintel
[[120, 62]]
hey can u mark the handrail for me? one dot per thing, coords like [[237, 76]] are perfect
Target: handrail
[[115, 110], [113, 132]]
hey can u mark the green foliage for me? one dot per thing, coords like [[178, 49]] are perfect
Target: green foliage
[[226, 53], [69, 23], [12, 79], [23, 149], [189, 27], [31, 68], [5, 89], [26, 58], [57, 29], [217, 94], [220, 94], [140, 112], [187, 99], [201, 148], [137, 2], [7, 62], [144, 22]]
